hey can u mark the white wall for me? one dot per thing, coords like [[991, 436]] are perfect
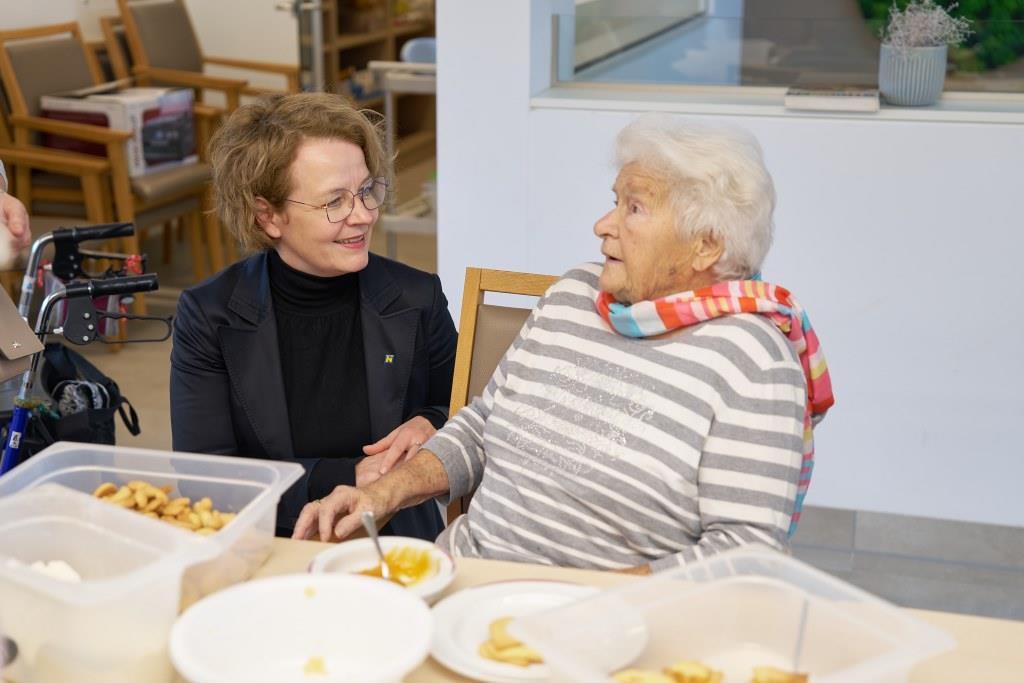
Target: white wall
[[901, 239], [246, 29], [22, 13]]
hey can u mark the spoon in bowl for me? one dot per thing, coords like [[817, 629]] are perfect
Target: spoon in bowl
[[370, 524]]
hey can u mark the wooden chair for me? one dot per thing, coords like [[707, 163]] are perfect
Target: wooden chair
[[65, 184], [89, 171], [485, 333], [115, 42], [119, 57], [49, 59], [164, 48]]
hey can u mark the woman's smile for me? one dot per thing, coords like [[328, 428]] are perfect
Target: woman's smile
[[354, 242]]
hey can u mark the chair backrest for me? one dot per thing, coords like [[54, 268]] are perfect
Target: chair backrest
[[5, 112], [115, 37], [160, 34], [43, 61], [485, 333]]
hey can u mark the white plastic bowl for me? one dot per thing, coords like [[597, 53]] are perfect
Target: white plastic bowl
[[361, 628], [355, 556]]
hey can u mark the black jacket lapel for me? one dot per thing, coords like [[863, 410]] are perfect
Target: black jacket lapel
[[389, 344], [253, 360]]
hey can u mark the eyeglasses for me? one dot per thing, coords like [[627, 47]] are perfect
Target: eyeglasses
[[372, 195]]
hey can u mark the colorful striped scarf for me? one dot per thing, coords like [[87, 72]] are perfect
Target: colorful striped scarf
[[651, 318]]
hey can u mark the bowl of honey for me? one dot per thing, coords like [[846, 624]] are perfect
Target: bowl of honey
[[418, 565]]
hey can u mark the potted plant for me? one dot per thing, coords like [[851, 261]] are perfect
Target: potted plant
[[912, 64]]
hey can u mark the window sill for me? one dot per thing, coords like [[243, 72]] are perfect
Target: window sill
[[995, 108]]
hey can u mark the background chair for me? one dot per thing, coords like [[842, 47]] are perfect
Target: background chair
[[115, 41], [52, 59], [164, 49], [89, 171], [485, 333], [207, 119]]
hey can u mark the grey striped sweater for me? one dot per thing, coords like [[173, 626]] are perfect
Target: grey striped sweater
[[589, 449]]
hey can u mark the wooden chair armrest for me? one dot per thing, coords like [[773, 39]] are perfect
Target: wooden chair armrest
[[205, 111], [55, 160], [191, 79], [290, 72], [271, 67], [262, 92], [81, 131]]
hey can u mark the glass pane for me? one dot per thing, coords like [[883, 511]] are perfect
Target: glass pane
[[767, 43]]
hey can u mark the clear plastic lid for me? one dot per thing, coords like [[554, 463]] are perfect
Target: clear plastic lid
[[744, 608]]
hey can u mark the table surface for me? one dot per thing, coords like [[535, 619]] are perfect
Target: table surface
[[990, 650]]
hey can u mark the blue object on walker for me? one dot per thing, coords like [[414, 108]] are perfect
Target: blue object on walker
[[12, 449]]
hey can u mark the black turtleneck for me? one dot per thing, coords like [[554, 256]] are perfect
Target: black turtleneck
[[320, 339]]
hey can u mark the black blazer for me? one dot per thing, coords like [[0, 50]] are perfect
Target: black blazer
[[227, 393]]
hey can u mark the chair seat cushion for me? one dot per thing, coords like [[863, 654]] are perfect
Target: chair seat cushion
[[158, 184]]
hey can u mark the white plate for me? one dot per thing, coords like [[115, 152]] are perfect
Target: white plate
[[354, 556], [266, 631], [462, 621]]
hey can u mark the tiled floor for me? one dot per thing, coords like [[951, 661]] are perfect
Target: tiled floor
[[919, 562]]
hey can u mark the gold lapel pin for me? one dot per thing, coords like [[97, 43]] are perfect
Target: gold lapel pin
[[389, 358]]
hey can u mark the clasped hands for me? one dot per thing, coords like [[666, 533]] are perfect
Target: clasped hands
[[337, 515]]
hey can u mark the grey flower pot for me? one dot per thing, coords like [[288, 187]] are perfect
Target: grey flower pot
[[912, 76]]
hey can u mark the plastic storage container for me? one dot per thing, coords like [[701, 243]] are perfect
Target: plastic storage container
[[113, 625], [744, 608], [250, 488]]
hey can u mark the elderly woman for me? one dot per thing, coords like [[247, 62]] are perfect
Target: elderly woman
[[656, 408], [313, 349]]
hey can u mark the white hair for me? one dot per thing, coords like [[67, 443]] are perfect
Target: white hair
[[717, 183]]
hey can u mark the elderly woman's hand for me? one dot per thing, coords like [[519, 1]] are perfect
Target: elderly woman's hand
[[336, 516], [401, 444]]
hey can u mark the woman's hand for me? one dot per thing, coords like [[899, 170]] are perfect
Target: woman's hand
[[368, 469], [337, 515], [15, 217], [402, 443]]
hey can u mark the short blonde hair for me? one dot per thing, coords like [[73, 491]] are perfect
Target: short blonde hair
[[252, 154], [717, 182]]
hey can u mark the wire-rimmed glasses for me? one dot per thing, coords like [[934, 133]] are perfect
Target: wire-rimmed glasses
[[372, 195]]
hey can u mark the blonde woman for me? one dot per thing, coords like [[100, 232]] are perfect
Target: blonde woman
[[312, 349]]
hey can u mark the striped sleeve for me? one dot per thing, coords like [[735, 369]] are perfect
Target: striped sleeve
[[750, 466], [460, 443]]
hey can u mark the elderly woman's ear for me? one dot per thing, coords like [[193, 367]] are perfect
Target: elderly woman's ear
[[708, 248]]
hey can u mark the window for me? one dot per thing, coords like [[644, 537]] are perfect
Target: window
[[772, 43]]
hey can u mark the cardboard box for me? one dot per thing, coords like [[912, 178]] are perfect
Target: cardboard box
[[160, 120]]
